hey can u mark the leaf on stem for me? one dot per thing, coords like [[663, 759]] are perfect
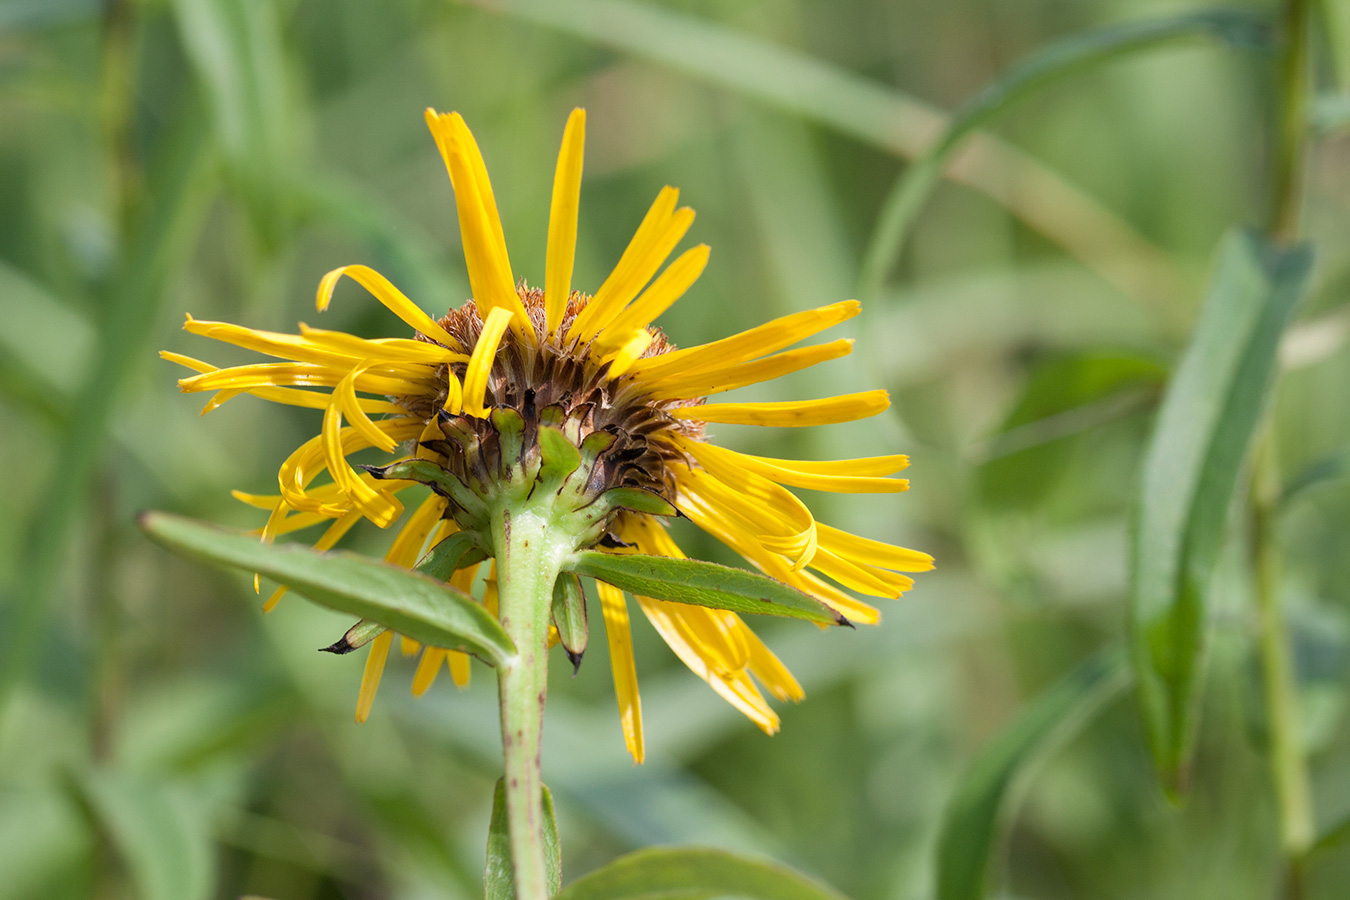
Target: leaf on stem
[[1209, 415], [666, 873], [497, 881], [407, 602], [701, 584]]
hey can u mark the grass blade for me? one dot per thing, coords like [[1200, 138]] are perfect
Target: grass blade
[[1205, 427], [967, 836], [874, 114], [497, 884], [406, 601], [1053, 63]]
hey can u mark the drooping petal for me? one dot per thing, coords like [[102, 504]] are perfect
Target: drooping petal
[[370, 678], [620, 641], [384, 291]]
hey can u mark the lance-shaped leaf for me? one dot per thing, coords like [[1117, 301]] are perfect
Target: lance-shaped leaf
[[406, 601], [966, 839], [497, 881], [457, 551], [1205, 427], [701, 584], [666, 873], [569, 616]]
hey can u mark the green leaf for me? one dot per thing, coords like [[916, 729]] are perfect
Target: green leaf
[[701, 584], [966, 838], [434, 476], [497, 882], [1205, 426], [235, 49], [162, 836], [406, 601], [1048, 65], [681, 873], [569, 616]]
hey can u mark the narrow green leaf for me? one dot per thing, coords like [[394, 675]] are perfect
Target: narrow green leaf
[[701, 584], [871, 112], [667, 873], [408, 602], [569, 616], [1205, 427], [966, 839], [236, 52], [1048, 65], [497, 881], [162, 836]]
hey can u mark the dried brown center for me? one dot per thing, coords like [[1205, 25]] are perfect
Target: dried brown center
[[546, 377]]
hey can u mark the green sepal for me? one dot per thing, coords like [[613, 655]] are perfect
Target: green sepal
[[596, 443], [497, 876], [510, 436], [408, 602], [638, 500], [458, 551], [560, 456], [701, 584], [360, 634], [424, 471], [569, 617]]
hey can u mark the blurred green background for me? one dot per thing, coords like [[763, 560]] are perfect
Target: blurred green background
[[161, 738]]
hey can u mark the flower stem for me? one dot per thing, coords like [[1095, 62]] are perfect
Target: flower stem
[[529, 556]]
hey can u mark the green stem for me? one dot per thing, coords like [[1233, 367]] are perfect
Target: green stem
[[1291, 124], [529, 558], [1289, 770]]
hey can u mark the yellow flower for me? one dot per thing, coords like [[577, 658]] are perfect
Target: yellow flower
[[597, 361]]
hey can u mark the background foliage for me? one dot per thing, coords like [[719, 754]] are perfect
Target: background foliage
[[161, 738]]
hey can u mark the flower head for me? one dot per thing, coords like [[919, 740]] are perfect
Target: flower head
[[479, 399]]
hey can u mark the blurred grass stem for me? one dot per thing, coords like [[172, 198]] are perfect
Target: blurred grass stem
[[1288, 763]]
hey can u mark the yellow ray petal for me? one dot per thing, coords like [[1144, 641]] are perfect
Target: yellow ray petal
[[370, 678], [427, 669], [715, 381], [759, 341], [876, 553], [783, 471], [771, 673], [379, 506], [773, 514], [792, 413], [480, 363], [609, 302], [408, 544], [480, 226], [562, 221], [652, 224], [866, 466], [629, 352], [735, 688], [385, 292], [861, 578], [392, 349], [678, 277], [344, 397], [271, 343], [620, 642]]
